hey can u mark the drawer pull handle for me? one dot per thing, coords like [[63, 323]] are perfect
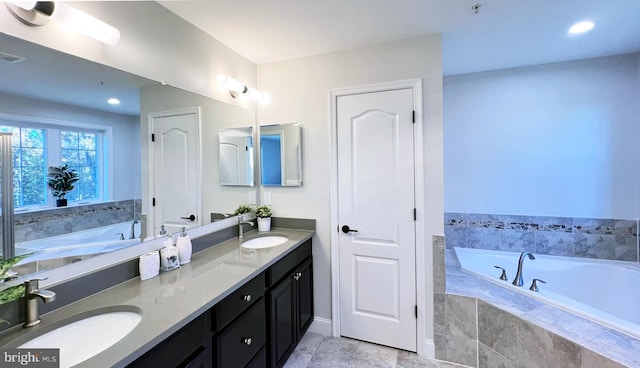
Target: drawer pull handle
[[297, 276], [246, 341], [246, 298]]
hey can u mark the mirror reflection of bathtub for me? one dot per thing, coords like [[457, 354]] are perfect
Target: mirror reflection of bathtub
[[59, 250]]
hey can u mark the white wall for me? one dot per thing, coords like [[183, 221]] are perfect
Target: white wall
[[299, 91], [215, 115], [552, 140], [154, 43], [126, 136]]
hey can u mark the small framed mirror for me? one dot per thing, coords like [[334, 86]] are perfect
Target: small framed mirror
[[235, 148], [281, 155]]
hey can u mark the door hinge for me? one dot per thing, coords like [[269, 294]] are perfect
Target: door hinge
[[416, 309], [413, 116], [153, 137], [415, 215], [153, 202]]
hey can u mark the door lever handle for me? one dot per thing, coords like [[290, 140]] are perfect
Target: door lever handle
[[346, 229], [190, 218]]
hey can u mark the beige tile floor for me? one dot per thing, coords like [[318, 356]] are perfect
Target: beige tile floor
[[315, 351]]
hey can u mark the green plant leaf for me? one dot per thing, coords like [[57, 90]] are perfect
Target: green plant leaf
[[6, 264], [11, 293], [243, 208]]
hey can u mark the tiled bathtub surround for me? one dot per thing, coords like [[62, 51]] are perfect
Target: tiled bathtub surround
[[562, 236], [480, 324], [63, 220]]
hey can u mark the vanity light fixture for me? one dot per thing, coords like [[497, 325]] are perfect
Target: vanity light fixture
[[39, 13], [237, 88], [581, 27]]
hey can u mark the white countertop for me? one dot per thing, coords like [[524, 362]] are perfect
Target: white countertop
[[171, 300]]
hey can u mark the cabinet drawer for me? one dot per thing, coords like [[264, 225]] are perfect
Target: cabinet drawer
[[240, 342], [284, 267], [241, 299], [180, 348], [260, 360]]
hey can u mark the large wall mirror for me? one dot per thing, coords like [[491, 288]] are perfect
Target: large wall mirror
[[45, 88], [281, 155]]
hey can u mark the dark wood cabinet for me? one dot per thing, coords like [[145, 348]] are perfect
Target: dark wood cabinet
[[188, 347], [239, 343], [256, 326], [290, 304]]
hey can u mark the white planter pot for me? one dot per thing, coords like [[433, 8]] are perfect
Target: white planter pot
[[264, 223]]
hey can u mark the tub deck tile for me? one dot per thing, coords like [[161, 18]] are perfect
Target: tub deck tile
[[611, 344]]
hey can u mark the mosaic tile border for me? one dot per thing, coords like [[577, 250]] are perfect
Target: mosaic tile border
[[56, 221], [615, 239]]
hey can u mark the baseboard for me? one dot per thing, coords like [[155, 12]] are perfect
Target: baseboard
[[428, 349], [321, 326]]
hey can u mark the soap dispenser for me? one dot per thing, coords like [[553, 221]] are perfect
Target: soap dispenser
[[169, 256], [184, 247]]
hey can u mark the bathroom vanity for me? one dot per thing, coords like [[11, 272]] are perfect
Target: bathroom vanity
[[258, 325], [230, 307]]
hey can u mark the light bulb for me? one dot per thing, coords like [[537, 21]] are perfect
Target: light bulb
[[581, 27], [84, 23]]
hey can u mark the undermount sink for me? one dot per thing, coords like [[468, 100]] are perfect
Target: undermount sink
[[264, 242], [81, 339]]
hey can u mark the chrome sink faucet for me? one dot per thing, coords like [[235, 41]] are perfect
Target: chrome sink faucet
[[242, 221], [32, 294], [517, 281]]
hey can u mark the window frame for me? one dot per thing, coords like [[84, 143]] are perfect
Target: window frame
[[53, 152]]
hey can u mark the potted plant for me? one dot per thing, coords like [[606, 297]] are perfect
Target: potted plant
[[263, 213], [61, 180], [243, 208]]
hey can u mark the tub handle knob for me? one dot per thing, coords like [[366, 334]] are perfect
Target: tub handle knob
[[534, 285], [503, 276]]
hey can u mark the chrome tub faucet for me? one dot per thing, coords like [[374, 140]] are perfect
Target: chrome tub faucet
[[517, 281], [132, 233], [32, 295]]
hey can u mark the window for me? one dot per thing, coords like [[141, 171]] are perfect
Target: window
[[29, 185], [80, 151], [36, 148]]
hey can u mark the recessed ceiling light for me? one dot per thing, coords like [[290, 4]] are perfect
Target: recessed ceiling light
[[581, 27], [113, 101]]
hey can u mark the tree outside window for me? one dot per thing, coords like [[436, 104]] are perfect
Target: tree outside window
[[79, 151], [29, 171], [34, 149]]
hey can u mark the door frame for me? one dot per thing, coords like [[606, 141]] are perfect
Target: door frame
[[151, 220], [421, 283]]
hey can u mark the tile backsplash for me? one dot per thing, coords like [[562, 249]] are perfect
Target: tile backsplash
[[614, 239], [62, 220]]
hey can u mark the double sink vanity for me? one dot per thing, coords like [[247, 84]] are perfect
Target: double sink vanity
[[240, 303]]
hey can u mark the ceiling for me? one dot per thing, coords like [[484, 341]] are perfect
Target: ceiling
[[49, 75], [505, 33]]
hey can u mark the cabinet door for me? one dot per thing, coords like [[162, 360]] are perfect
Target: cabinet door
[[282, 330], [304, 297]]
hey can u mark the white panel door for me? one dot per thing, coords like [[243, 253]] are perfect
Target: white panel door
[[376, 216], [175, 174]]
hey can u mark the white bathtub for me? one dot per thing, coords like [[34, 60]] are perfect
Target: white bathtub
[[96, 240], [607, 292]]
